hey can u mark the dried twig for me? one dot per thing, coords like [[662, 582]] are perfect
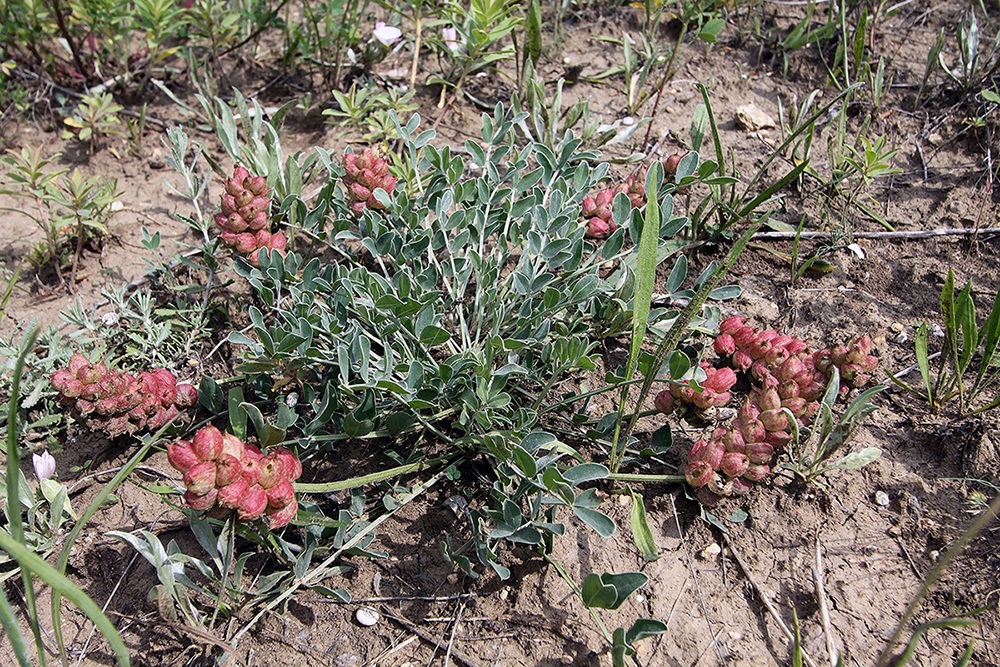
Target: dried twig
[[460, 656], [899, 236], [824, 607], [763, 597]]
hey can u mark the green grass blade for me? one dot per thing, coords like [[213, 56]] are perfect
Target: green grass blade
[[31, 561], [85, 517], [965, 318], [9, 290], [9, 622], [645, 278], [967, 655], [720, 155], [923, 362], [950, 353], [13, 481], [356, 482], [990, 335]]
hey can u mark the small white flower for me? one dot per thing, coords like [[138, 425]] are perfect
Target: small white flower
[[44, 464], [449, 36], [386, 34]]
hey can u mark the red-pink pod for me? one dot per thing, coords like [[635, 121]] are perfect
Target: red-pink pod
[[768, 399], [797, 406], [742, 360], [233, 495], [61, 382], [278, 242], [228, 469], [293, 466], [734, 463], [588, 208], [788, 390], [360, 192], [250, 469], [162, 416], [232, 445], [703, 400], [722, 398], [713, 454], [186, 395], [731, 325], [724, 345], [598, 228], [670, 164], [254, 504], [280, 518], [774, 420], [744, 337], [207, 443], [200, 502], [257, 185], [200, 478], [733, 441], [271, 470], [791, 369], [698, 473], [753, 430], [707, 498], [77, 363], [697, 450], [756, 472], [93, 374], [106, 406], [280, 495], [777, 439], [749, 411], [760, 452], [664, 401], [181, 456], [739, 487], [720, 379], [84, 407]]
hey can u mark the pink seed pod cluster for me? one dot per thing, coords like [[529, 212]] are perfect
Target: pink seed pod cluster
[[740, 455], [791, 379], [223, 473], [244, 220], [596, 208], [855, 362], [364, 173], [715, 391], [118, 402]]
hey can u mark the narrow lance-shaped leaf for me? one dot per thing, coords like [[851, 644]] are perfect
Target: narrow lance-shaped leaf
[[645, 278]]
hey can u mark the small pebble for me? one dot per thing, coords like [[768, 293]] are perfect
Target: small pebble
[[882, 498], [366, 616], [710, 552], [896, 327], [936, 330]]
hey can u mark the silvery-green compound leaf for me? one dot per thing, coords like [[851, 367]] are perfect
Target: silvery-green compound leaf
[[857, 459]]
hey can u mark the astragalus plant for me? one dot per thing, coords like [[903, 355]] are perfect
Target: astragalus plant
[[456, 303]]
